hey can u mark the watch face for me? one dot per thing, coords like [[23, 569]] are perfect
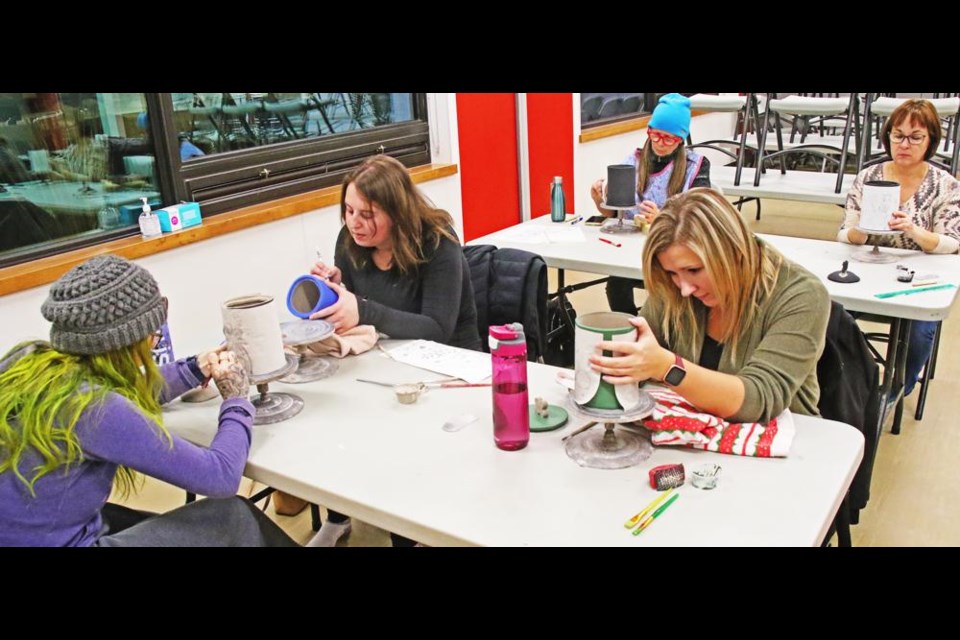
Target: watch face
[[675, 376]]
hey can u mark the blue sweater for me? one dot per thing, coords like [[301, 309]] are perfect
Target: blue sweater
[[66, 509]]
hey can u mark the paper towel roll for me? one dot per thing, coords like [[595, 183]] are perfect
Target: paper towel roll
[[252, 330], [880, 199]]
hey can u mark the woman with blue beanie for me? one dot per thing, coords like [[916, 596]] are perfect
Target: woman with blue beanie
[[660, 175], [80, 417]]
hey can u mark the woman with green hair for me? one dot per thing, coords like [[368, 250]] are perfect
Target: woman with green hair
[[80, 415]]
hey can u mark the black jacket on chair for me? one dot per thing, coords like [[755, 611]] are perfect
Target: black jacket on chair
[[509, 285], [850, 392]]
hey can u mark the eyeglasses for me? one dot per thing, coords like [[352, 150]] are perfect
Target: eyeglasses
[[897, 138], [662, 138]]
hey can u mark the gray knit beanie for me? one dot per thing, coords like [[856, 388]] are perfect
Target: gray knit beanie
[[104, 304]]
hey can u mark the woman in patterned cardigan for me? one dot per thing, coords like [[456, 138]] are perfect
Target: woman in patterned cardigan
[[929, 214]]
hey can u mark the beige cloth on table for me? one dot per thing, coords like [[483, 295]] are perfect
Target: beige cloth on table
[[353, 341]]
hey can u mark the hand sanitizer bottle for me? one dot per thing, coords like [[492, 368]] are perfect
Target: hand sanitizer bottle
[[149, 221], [108, 217]]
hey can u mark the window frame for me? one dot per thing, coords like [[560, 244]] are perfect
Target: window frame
[[231, 180]]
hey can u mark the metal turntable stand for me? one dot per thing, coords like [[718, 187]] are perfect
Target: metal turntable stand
[[309, 367], [611, 448], [875, 255], [618, 227], [275, 406]]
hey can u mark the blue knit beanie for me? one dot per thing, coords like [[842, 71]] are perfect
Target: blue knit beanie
[[672, 114]]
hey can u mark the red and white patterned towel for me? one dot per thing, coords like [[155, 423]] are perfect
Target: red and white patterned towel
[[676, 422]]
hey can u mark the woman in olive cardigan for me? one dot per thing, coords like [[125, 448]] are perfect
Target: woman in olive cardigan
[[730, 324]]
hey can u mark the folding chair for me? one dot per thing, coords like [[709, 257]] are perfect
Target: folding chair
[[809, 107]]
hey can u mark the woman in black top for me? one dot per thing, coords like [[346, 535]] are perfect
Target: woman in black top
[[398, 267]]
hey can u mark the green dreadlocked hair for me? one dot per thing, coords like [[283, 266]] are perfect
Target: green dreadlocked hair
[[44, 393]]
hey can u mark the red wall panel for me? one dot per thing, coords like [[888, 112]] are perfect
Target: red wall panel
[[550, 139], [487, 124]]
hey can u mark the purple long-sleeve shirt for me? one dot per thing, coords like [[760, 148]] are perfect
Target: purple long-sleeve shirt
[[66, 508]]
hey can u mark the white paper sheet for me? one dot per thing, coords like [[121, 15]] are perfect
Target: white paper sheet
[[471, 366], [559, 233], [565, 234], [525, 234]]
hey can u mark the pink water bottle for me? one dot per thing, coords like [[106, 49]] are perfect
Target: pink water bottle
[[511, 413]]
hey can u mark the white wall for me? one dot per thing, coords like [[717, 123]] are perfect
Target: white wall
[[199, 277], [590, 159], [263, 259]]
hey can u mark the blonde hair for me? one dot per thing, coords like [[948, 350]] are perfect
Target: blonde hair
[[743, 271]]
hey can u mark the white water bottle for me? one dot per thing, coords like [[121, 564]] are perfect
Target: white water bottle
[[149, 221]]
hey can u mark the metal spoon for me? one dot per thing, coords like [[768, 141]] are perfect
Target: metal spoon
[[382, 384]]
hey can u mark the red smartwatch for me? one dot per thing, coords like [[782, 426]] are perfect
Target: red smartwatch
[[676, 373]]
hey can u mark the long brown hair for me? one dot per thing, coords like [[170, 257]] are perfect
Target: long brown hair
[[678, 173], [743, 271], [418, 226]]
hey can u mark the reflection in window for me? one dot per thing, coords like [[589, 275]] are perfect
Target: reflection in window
[[217, 122], [68, 163], [595, 107], [602, 108], [71, 162]]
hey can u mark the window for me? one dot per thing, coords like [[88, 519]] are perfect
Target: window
[[604, 108], [74, 166]]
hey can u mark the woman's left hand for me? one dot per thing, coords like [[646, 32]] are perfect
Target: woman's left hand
[[344, 314], [633, 362], [902, 222], [649, 210], [207, 360]]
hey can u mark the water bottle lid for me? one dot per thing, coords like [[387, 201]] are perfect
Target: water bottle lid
[[506, 331], [558, 179]]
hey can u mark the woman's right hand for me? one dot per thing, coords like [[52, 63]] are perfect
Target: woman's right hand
[[632, 362], [855, 236], [596, 192], [230, 376], [321, 270]]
